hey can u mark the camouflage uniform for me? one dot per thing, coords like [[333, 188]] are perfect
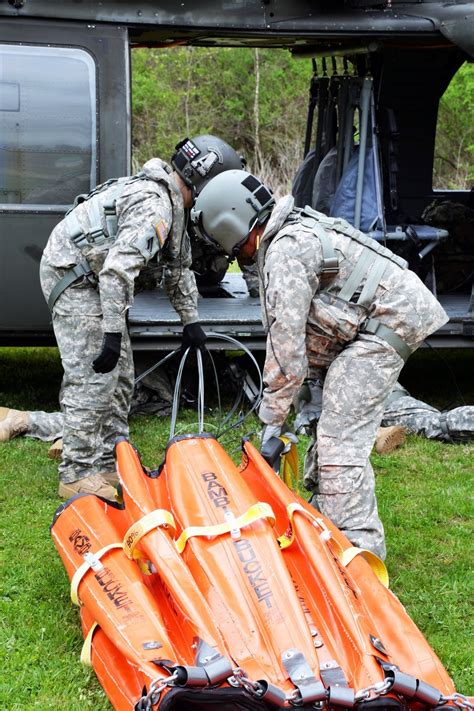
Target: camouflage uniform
[[95, 406], [309, 327], [47, 426], [152, 395], [455, 425], [250, 275]]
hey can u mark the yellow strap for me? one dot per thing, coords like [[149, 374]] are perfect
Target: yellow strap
[[289, 464], [86, 653], [254, 513], [376, 563], [91, 560], [155, 519], [289, 536], [345, 556]]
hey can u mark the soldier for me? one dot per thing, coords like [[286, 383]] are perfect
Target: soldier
[[331, 298], [454, 426], [403, 413], [210, 265], [88, 272]]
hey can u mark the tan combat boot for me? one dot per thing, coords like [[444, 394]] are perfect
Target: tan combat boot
[[12, 423], [94, 484], [389, 438], [56, 449], [111, 478], [56, 452]]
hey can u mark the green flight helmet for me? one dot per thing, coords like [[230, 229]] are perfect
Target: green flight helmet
[[228, 208], [198, 160]]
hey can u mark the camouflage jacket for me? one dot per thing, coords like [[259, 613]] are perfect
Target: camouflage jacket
[[150, 235], [307, 325]]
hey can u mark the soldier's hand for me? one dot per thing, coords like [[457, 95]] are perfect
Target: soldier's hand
[[193, 337], [272, 447], [110, 353]]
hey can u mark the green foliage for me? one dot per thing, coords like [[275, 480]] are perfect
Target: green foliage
[[185, 91], [454, 151], [423, 492]]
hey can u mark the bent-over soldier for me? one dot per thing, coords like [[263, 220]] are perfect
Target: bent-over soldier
[[331, 298]]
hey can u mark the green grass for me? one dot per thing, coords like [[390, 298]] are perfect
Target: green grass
[[424, 493]]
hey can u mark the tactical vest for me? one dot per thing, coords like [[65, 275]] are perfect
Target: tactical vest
[[101, 213], [370, 267]]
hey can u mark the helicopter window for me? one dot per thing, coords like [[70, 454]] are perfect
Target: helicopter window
[[47, 125]]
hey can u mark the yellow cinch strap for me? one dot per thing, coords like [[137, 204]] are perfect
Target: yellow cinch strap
[[345, 556], [155, 519], [289, 464], [254, 513], [91, 561], [289, 536], [86, 653], [376, 563]]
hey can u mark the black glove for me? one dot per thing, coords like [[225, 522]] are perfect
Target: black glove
[[110, 353], [193, 337], [272, 447]]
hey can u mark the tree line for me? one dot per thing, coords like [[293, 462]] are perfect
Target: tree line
[[257, 99]]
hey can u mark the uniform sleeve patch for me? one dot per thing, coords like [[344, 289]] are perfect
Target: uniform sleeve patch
[[161, 229]]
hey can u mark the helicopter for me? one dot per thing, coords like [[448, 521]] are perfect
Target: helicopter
[[376, 73]]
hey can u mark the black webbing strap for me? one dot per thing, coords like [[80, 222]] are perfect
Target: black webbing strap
[[80, 270]]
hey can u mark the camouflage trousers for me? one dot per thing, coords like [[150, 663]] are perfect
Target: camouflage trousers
[[94, 406], [47, 426], [337, 466], [456, 425]]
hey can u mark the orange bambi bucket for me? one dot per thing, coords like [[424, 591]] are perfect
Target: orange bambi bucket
[[213, 586]]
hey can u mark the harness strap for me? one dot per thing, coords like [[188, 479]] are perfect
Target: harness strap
[[111, 221], [330, 259], [340, 225], [96, 235], [91, 561], [254, 513], [372, 281], [73, 227], [80, 270], [364, 263], [376, 328], [374, 257]]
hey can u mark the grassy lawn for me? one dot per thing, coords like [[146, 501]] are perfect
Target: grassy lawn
[[425, 499]]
